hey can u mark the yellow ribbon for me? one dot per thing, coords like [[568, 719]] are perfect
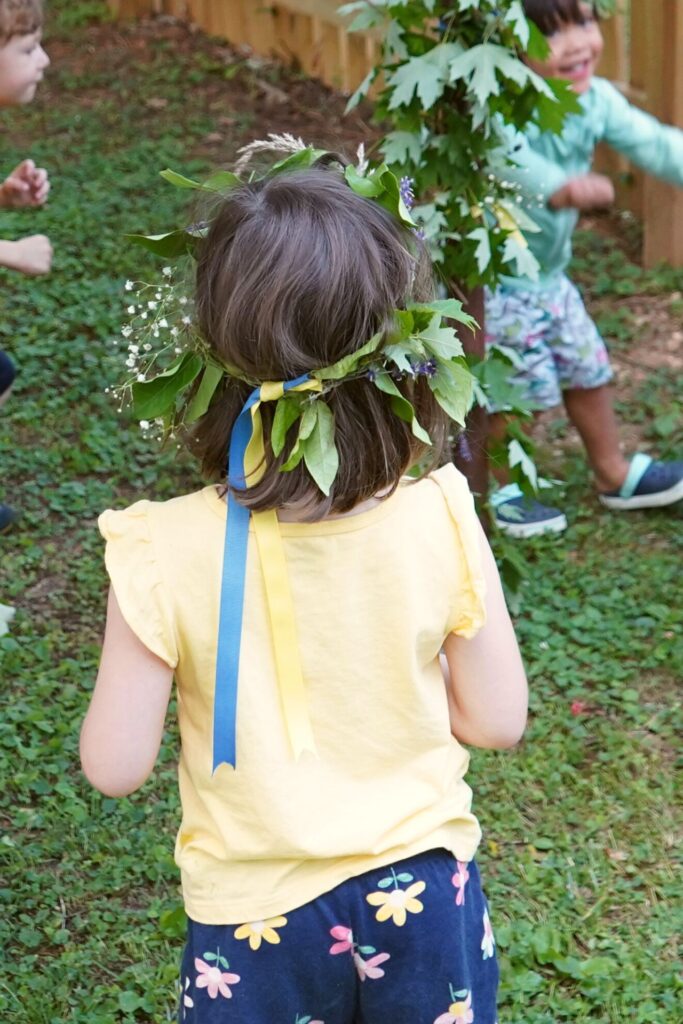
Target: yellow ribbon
[[276, 582]]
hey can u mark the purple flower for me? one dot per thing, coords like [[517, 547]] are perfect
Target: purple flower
[[464, 450], [405, 186]]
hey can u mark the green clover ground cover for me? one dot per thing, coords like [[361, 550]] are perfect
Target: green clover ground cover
[[580, 821]]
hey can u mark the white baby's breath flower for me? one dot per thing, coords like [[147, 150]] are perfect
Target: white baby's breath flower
[[167, 271], [183, 300], [145, 424], [177, 350], [143, 316], [129, 285], [186, 320], [134, 349], [147, 347], [152, 305], [126, 331], [163, 322], [157, 295], [130, 310], [141, 377], [174, 332], [130, 363]]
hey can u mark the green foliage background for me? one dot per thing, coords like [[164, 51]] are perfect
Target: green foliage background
[[580, 822]]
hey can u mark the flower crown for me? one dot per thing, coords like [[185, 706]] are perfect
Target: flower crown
[[175, 376]]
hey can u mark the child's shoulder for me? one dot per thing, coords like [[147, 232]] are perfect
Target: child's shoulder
[[446, 488], [179, 514]]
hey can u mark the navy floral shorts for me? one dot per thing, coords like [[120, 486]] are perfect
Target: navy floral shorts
[[407, 944]]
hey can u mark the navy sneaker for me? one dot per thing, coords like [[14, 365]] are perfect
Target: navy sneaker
[[648, 484], [521, 516], [7, 517]]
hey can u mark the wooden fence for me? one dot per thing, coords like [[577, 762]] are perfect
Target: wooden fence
[[643, 55]]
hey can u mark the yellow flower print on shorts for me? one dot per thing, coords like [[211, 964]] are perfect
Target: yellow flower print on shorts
[[256, 931], [396, 902]]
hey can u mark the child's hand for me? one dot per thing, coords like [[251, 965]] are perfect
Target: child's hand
[[27, 185], [31, 256], [586, 192]]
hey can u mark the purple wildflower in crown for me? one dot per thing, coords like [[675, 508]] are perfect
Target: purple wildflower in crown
[[464, 450], [405, 187]]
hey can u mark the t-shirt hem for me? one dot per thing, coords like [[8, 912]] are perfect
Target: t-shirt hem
[[218, 912]]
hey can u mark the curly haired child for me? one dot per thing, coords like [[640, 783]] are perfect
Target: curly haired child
[[327, 867], [22, 63], [562, 355]]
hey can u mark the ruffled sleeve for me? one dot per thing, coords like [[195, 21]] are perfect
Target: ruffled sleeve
[[137, 579], [469, 609]]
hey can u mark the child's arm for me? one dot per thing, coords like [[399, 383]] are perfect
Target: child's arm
[[656, 147], [485, 677], [122, 731], [31, 255], [27, 185]]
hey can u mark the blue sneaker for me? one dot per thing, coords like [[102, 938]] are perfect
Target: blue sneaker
[[648, 484], [7, 517], [521, 516]]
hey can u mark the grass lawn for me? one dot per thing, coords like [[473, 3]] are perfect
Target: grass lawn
[[580, 821]]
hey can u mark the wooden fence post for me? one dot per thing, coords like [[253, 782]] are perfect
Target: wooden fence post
[[657, 66]]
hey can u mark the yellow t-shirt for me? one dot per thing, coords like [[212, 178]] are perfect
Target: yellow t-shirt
[[375, 596]]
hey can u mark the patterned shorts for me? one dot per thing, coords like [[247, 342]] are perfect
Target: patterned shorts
[[557, 344], [407, 944]]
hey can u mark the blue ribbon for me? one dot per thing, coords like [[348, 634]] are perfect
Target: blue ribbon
[[232, 589]]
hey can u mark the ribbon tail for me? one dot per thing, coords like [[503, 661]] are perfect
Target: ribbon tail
[[284, 633]]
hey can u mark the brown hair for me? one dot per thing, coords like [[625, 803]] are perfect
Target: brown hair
[[296, 272], [19, 18], [551, 15]]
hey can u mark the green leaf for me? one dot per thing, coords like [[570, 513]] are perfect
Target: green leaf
[[154, 398], [516, 17], [402, 147], [179, 180], [453, 388], [482, 253], [320, 452], [302, 158], [401, 406], [201, 400], [404, 877], [309, 420], [170, 245], [287, 411], [221, 181], [384, 883], [442, 341], [427, 75], [368, 187], [129, 1002], [517, 252], [451, 309], [362, 90], [344, 366], [518, 457]]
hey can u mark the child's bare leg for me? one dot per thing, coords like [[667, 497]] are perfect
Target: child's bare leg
[[591, 410]]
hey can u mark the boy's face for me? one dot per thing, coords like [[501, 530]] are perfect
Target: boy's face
[[574, 52], [22, 63]]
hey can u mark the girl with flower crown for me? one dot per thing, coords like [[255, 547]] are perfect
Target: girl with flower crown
[[336, 629]]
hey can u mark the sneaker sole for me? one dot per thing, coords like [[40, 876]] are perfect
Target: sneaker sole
[[658, 500], [521, 531]]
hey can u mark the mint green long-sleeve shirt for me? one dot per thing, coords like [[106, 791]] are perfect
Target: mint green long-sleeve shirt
[[545, 162]]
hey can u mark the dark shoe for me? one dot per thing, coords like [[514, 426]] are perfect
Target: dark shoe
[[648, 484], [520, 516], [7, 517]]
